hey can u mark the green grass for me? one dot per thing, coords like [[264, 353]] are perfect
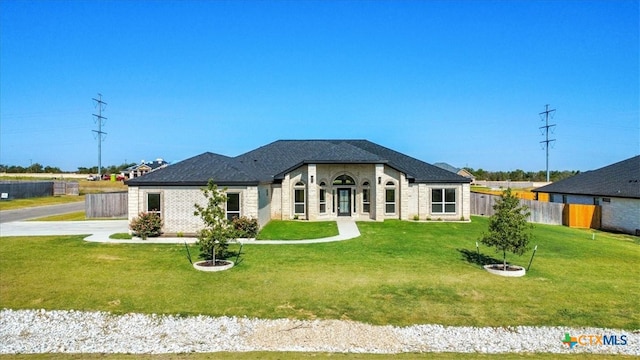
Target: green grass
[[297, 230], [40, 201], [399, 273], [72, 216], [121, 236]]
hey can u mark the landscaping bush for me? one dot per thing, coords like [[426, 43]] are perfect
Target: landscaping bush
[[146, 225], [245, 227]]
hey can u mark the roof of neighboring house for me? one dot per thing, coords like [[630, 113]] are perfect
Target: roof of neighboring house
[[456, 170], [271, 162], [621, 179], [151, 165], [447, 167]]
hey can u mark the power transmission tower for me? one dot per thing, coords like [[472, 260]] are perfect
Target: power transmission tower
[[545, 116], [99, 120]]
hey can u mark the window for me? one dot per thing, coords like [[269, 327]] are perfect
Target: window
[[323, 198], [344, 180], [233, 205], [298, 199], [390, 198], [153, 203], [366, 197], [443, 201]]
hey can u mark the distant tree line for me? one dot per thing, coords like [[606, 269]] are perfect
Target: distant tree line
[[38, 168], [520, 175], [480, 174], [111, 169]]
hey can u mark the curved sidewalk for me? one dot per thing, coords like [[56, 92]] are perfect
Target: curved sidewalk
[[100, 230], [347, 229]]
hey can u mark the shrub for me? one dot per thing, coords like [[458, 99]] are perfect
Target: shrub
[[245, 227], [146, 225]]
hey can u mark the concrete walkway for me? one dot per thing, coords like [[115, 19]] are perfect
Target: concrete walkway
[[100, 230]]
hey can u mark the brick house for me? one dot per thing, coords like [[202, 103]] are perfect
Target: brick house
[[615, 188], [143, 168], [304, 179]]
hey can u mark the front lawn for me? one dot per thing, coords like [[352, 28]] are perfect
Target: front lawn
[[397, 272], [297, 230]]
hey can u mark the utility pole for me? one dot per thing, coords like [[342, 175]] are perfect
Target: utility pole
[[546, 127], [99, 120]]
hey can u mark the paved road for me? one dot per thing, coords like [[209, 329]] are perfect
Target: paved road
[[39, 211]]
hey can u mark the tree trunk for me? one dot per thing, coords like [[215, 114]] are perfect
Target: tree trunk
[[504, 260]]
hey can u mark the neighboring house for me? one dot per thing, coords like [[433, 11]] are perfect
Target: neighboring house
[[143, 168], [616, 188], [304, 179], [461, 172]]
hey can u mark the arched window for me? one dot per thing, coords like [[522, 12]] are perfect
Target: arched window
[[344, 180], [366, 197], [299, 204], [390, 198], [323, 198]]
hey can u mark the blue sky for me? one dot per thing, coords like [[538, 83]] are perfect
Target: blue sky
[[460, 82]]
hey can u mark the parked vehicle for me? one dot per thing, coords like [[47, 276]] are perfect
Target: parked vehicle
[[92, 177]]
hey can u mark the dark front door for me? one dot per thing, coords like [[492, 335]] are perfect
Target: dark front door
[[344, 202]]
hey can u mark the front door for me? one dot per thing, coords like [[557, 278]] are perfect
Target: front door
[[344, 202]]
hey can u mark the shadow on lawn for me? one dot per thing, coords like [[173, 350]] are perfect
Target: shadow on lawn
[[473, 257]]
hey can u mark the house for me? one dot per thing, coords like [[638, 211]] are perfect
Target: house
[[461, 172], [615, 188], [304, 179], [143, 168]]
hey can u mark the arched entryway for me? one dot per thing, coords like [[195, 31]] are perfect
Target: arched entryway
[[345, 186]]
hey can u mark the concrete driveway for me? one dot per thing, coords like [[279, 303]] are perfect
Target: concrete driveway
[[96, 229]]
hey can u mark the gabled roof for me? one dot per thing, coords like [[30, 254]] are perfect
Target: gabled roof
[[447, 167], [621, 179], [197, 171], [150, 165], [271, 162]]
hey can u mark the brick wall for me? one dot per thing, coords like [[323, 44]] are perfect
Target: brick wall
[[621, 214]]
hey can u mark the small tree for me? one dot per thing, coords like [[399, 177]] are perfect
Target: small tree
[[508, 227], [214, 238]]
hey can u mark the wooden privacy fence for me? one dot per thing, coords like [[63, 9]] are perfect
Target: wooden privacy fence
[[24, 189], [106, 205], [582, 216], [572, 215], [66, 188]]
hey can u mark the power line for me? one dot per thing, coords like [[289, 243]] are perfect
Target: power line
[[99, 119], [546, 127]]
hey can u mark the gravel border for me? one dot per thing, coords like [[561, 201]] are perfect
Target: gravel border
[[42, 331]]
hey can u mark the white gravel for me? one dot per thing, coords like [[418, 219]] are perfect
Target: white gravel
[[40, 331]]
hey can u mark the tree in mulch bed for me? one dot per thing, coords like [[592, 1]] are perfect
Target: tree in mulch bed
[[213, 239], [509, 230]]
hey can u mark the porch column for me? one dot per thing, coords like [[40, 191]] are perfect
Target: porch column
[[378, 193], [312, 192]]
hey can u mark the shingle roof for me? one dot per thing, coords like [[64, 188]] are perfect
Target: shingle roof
[[447, 167], [197, 171], [271, 162], [621, 179]]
